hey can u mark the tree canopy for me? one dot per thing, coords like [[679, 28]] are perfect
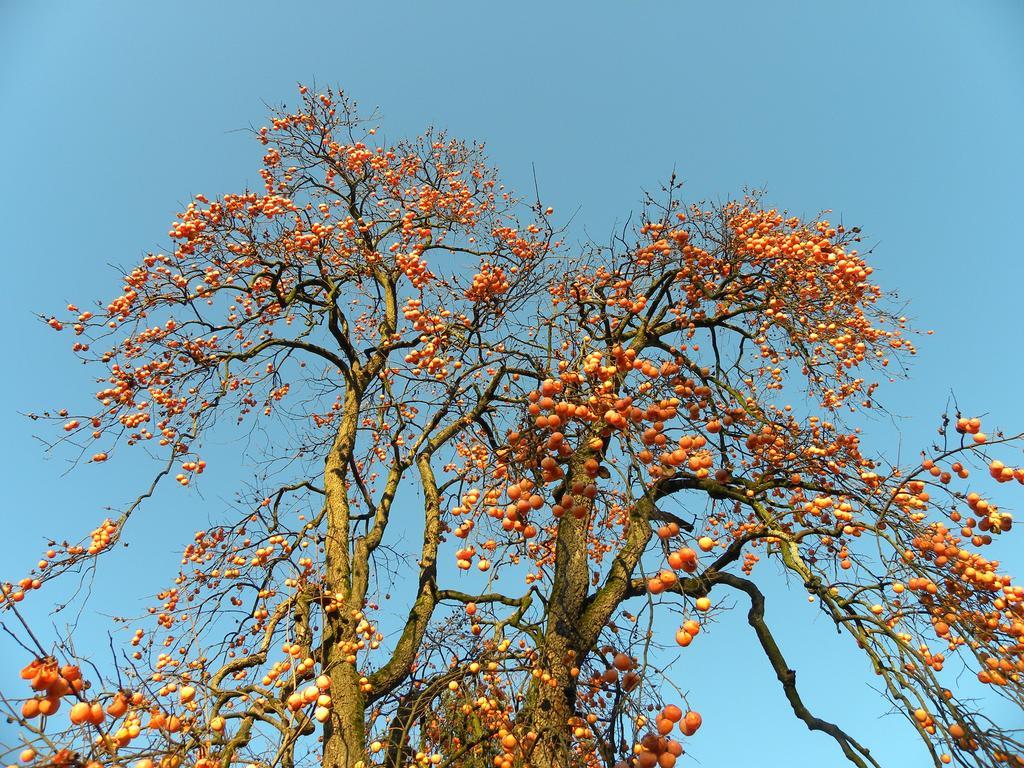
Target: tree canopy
[[602, 440]]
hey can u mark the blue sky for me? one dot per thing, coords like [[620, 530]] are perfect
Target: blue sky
[[903, 118]]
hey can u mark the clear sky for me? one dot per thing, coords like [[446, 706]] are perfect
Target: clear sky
[[904, 118]]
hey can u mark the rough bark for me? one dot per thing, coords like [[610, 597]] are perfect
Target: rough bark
[[344, 731], [552, 704]]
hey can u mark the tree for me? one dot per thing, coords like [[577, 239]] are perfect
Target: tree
[[594, 434]]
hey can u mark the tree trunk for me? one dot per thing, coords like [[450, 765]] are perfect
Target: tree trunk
[[552, 703], [575, 622], [552, 706], [345, 730]]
